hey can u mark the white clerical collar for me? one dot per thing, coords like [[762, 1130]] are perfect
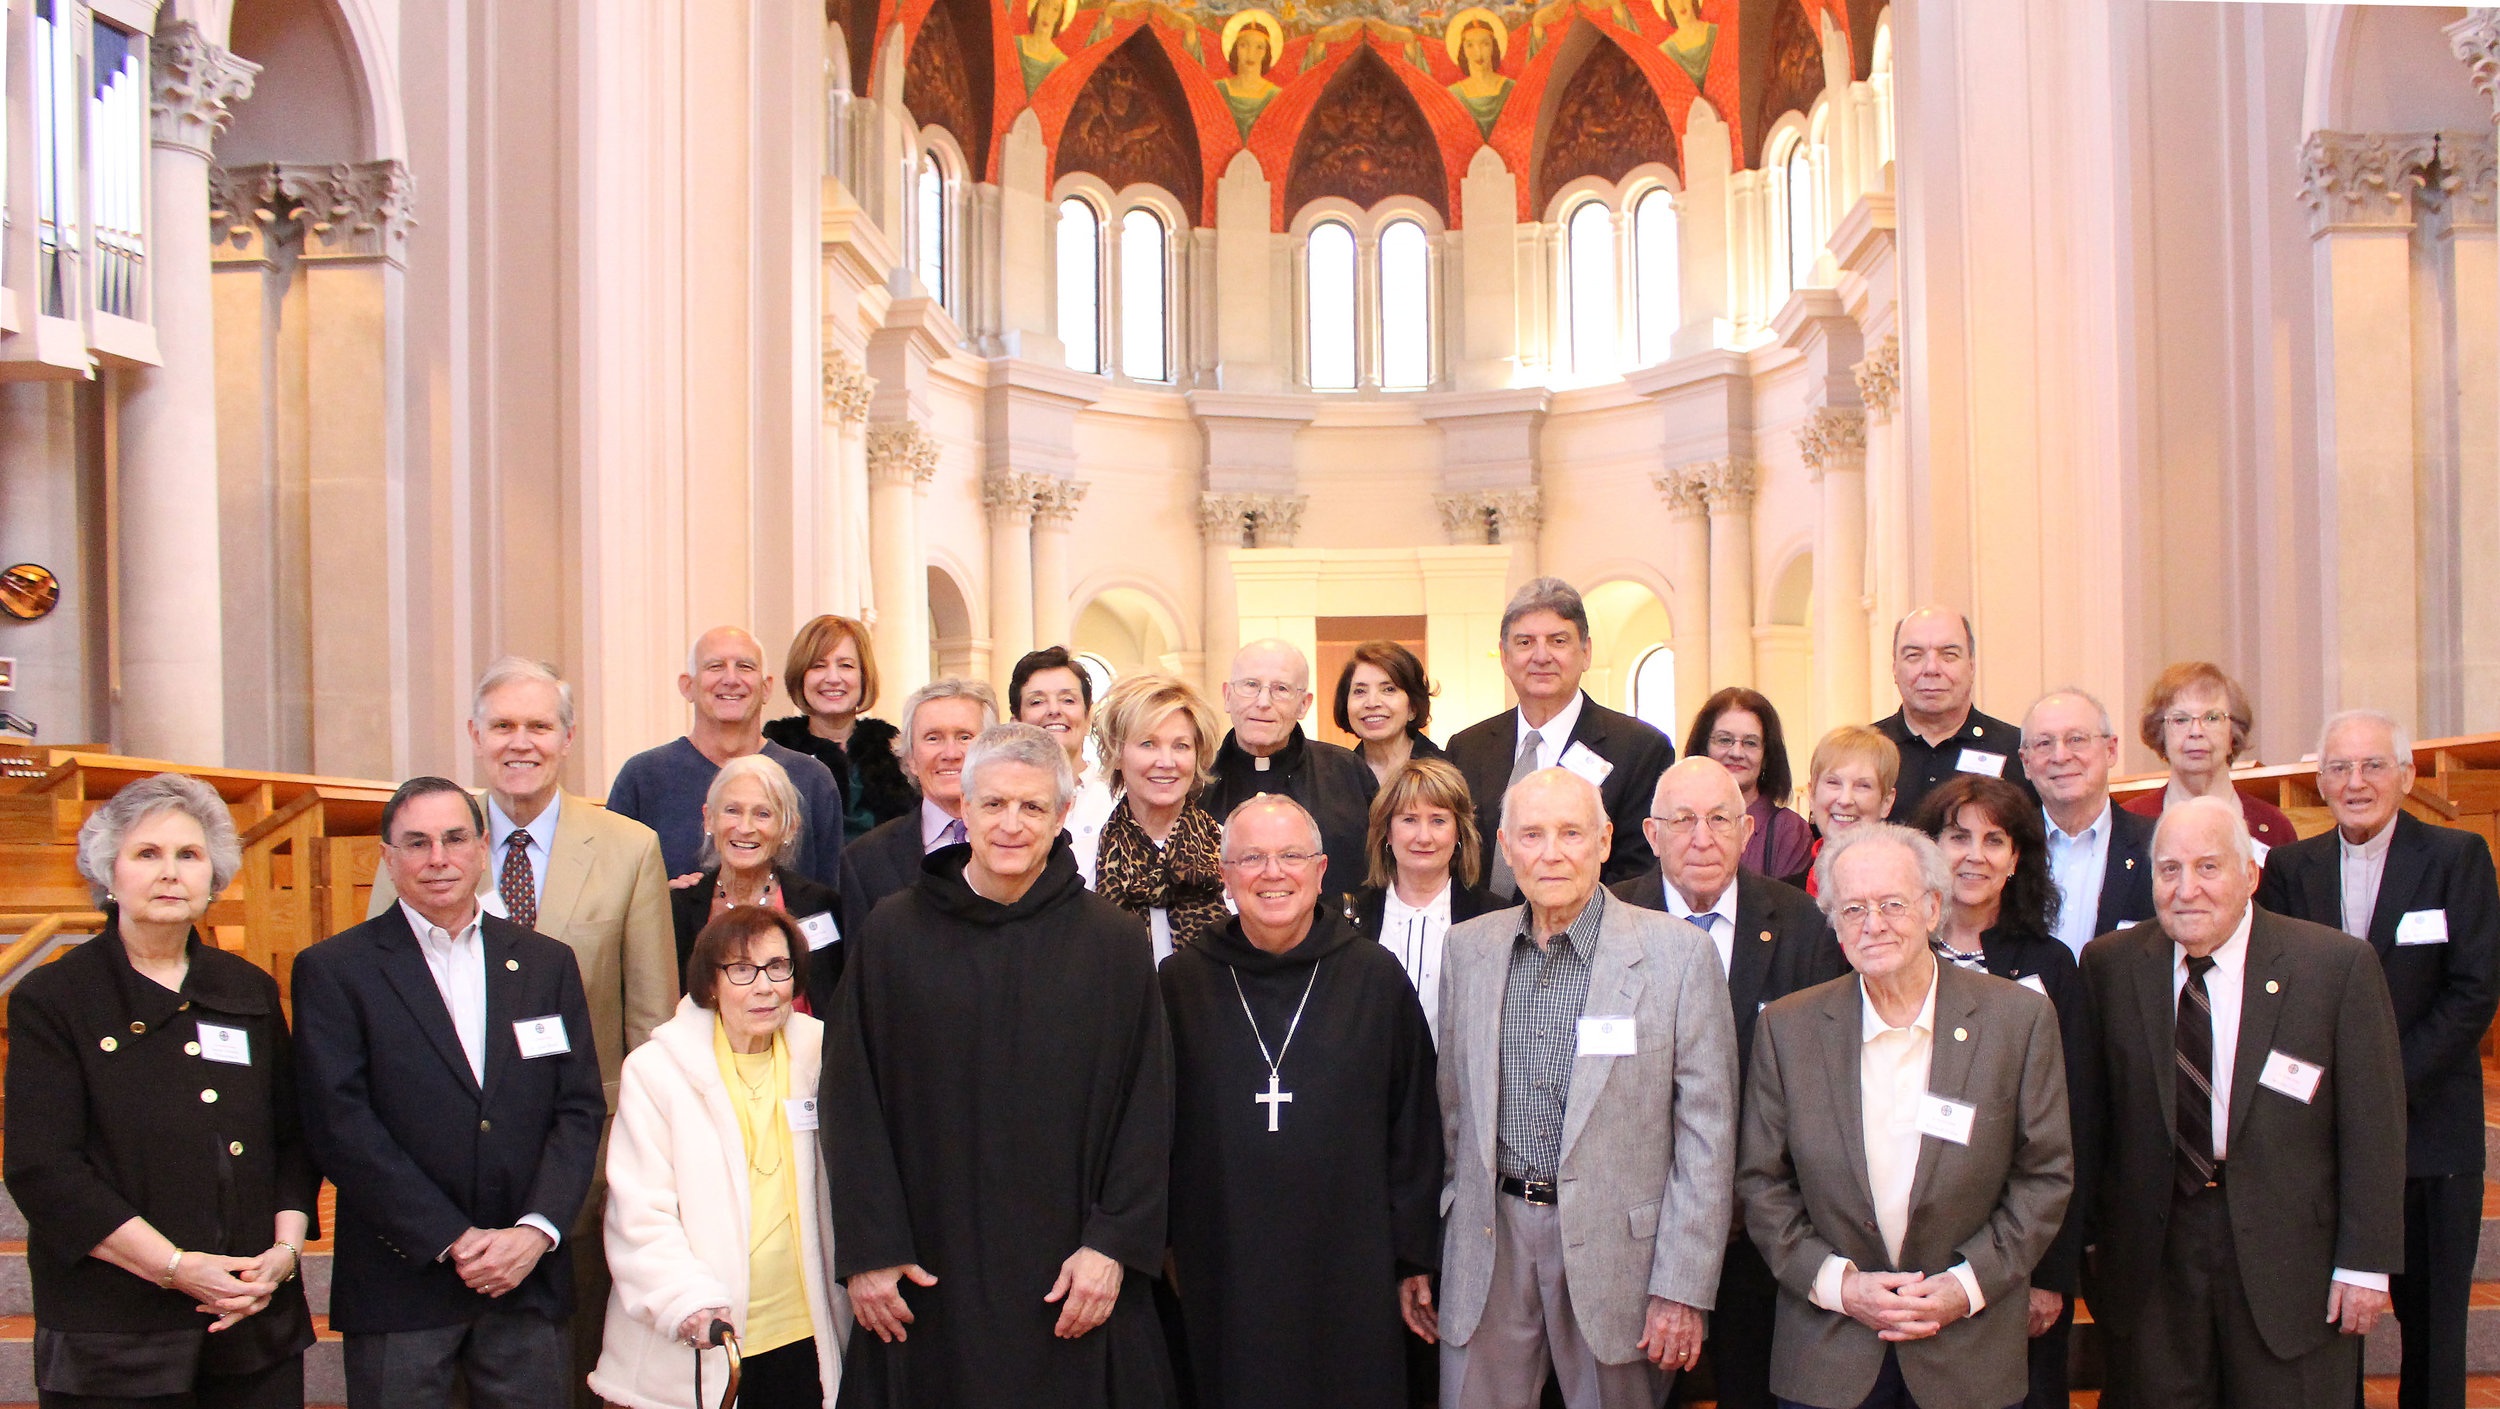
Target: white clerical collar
[[1554, 733], [2373, 849]]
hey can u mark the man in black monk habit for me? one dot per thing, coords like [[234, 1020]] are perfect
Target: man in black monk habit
[[1306, 1149], [997, 1119]]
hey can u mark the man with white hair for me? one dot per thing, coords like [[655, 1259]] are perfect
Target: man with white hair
[[2426, 900], [1588, 1105], [997, 1118], [940, 721], [1267, 693], [663, 787], [2243, 1133], [2099, 856]]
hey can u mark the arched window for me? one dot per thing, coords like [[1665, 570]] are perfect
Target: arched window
[[1142, 323], [1405, 307], [1805, 224], [1656, 274], [1098, 671], [929, 259], [1330, 306], [1653, 689], [1080, 284], [1589, 264]]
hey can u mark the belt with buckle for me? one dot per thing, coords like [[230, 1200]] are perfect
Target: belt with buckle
[[1534, 1191]]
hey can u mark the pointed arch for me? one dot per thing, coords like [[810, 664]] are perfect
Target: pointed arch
[[1131, 124], [947, 80], [1608, 119], [1366, 140]]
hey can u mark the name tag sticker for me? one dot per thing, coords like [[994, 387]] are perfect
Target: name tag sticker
[[819, 931], [1583, 760], [1980, 761], [1606, 1037], [2291, 1076], [1946, 1120], [231, 1045], [802, 1110], [2423, 927], [542, 1037], [2032, 982]]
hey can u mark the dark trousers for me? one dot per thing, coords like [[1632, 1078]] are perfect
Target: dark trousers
[[2049, 1387], [510, 1359], [2443, 1230], [781, 1378], [590, 1295], [1737, 1351], [2195, 1344], [1890, 1391], [281, 1386]]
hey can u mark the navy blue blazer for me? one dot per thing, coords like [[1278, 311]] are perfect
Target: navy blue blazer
[[419, 1152], [1484, 752], [2126, 889]]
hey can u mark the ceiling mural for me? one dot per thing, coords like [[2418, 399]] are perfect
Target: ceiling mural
[[1359, 98]]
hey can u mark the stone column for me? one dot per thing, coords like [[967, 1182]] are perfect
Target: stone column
[[1887, 585], [1688, 570], [167, 617], [2476, 40], [901, 458], [1224, 519], [1832, 442], [1728, 486], [1008, 496], [2360, 188], [850, 586], [1054, 515], [1486, 517]]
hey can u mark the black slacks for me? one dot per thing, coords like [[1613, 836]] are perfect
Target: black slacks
[[281, 1386], [2050, 1382], [2196, 1344], [1737, 1349], [2443, 1230], [781, 1378]]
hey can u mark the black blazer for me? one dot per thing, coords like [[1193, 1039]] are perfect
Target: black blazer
[[106, 1122], [1332, 783], [691, 908], [2127, 876], [2045, 963], [1484, 752], [2443, 993], [1364, 907], [421, 1154], [879, 864], [867, 762], [1783, 946], [2312, 1186]]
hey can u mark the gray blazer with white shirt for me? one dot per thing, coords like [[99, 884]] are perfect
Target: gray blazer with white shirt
[[1994, 1202], [1648, 1140]]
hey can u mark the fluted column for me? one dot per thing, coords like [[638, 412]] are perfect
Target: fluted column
[[901, 458], [1688, 570], [167, 617], [1007, 495], [1054, 515], [850, 586], [2476, 40], [1887, 586], [1728, 485], [1832, 442]]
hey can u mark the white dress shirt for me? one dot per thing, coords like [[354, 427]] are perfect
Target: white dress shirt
[[933, 825], [1892, 1076], [458, 964], [540, 847], [1086, 814], [2364, 866], [1415, 934], [2226, 984], [1718, 922], [2078, 863], [1553, 736]]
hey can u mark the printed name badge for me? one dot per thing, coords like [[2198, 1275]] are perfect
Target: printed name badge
[[802, 1111], [1606, 1037], [1583, 760], [542, 1037], [2423, 927], [2291, 1076], [231, 1045], [1946, 1120], [1980, 761], [2032, 982], [819, 931]]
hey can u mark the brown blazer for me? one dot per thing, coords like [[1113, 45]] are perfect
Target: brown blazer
[[1995, 1203]]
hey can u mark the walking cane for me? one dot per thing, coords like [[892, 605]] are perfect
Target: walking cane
[[720, 1335]]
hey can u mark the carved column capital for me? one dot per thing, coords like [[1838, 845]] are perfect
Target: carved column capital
[[2476, 40], [1277, 518], [1009, 494], [1728, 485], [1250, 520], [351, 210], [847, 388], [1492, 516], [1055, 502], [1879, 378], [193, 87], [1681, 487], [2463, 182], [2365, 179], [1832, 438], [900, 452]]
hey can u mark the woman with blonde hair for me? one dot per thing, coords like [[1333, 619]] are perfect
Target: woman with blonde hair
[[1426, 862], [1851, 781], [1160, 856]]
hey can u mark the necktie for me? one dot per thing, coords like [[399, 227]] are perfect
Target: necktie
[[519, 889], [2194, 1167], [1505, 885], [954, 835]]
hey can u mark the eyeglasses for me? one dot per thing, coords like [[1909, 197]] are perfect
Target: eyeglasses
[[2373, 769], [1259, 861], [1276, 690], [742, 973], [1853, 916], [1750, 743], [2047, 746], [2180, 719], [1683, 823]]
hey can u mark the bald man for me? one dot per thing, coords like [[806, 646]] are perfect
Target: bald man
[[1935, 662], [1267, 693], [663, 788]]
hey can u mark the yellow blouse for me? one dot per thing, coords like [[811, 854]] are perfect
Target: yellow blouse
[[759, 1084]]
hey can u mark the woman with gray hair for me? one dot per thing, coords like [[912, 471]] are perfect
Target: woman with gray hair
[[152, 1139], [753, 823]]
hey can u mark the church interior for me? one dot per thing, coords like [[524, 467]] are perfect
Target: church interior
[[347, 346]]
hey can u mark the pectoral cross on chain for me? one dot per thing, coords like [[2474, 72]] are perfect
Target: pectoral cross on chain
[[1274, 1100]]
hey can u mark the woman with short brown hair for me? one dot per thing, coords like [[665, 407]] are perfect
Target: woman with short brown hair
[[831, 673], [2198, 719]]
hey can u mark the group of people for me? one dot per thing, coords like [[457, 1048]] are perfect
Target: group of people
[[939, 1065]]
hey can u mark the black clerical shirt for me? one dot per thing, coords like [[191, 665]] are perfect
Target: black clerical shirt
[[1978, 748]]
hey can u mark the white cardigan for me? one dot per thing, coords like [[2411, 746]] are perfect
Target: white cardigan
[[679, 1216]]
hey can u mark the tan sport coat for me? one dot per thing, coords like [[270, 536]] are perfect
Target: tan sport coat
[[1995, 1202]]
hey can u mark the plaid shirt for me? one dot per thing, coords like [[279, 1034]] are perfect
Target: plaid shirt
[[1542, 999]]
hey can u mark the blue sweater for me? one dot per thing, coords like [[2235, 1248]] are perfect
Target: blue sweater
[[663, 788]]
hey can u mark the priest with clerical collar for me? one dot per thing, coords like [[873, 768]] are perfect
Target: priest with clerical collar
[[997, 1119], [1267, 693], [1306, 1153]]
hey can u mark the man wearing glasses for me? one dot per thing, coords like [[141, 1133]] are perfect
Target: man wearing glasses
[[2100, 856], [2425, 899], [1266, 751]]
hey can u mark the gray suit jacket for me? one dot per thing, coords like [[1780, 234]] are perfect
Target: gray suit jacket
[[1995, 1202], [1648, 1141]]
